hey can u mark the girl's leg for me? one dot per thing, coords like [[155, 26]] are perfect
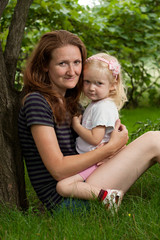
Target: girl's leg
[[121, 171], [75, 186]]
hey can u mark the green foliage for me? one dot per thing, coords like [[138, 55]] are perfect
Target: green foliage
[[131, 118], [5, 22], [131, 32], [127, 29], [146, 126]]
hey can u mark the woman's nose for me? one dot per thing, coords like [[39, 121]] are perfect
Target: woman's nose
[[71, 70]]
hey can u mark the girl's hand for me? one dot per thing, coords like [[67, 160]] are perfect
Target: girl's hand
[[76, 121]]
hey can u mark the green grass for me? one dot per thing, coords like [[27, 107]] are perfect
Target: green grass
[[130, 117], [138, 217]]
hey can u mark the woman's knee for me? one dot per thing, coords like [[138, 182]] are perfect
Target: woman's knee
[[153, 139]]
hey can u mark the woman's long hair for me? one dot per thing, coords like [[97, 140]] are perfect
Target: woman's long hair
[[36, 78]]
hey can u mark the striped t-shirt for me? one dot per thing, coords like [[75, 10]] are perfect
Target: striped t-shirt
[[36, 110]]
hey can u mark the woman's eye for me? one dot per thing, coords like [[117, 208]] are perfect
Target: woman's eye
[[77, 62], [62, 63]]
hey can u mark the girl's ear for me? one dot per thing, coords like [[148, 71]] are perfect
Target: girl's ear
[[113, 86]]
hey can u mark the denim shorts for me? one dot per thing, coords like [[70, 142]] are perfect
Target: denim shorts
[[73, 205]]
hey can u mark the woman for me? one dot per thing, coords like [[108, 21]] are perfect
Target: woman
[[52, 87]]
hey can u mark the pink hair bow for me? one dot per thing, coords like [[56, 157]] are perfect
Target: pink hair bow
[[113, 64]]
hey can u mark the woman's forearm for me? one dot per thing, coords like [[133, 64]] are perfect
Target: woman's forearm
[[70, 165], [63, 166]]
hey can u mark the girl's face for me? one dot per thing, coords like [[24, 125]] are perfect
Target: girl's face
[[95, 85], [65, 68]]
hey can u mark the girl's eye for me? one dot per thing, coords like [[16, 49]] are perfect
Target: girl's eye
[[86, 81], [98, 83]]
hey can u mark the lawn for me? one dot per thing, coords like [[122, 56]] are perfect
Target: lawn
[[131, 117], [138, 217]]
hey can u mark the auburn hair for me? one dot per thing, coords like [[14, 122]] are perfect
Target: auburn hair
[[36, 78]]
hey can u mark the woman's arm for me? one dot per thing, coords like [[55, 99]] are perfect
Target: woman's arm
[[64, 166], [92, 136]]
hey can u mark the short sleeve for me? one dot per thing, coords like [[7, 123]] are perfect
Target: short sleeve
[[37, 110], [105, 114]]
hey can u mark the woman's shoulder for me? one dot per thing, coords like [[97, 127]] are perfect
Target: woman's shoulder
[[34, 98], [36, 110], [33, 95]]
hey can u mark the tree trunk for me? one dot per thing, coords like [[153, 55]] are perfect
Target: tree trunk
[[12, 185]]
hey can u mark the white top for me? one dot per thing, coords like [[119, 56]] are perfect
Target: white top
[[100, 113]]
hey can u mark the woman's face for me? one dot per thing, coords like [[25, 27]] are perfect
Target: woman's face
[[65, 68]]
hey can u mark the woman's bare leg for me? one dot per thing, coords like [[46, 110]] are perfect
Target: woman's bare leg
[[121, 171]]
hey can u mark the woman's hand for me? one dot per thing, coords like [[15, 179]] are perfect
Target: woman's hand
[[119, 136]]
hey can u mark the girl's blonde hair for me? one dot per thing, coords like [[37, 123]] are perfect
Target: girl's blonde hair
[[109, 65]]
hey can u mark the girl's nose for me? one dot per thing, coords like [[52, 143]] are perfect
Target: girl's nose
[[91, 87]]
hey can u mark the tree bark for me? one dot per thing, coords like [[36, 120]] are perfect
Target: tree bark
[[3, 4], [12, 185]]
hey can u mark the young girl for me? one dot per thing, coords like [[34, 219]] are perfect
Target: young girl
[[102, 84]]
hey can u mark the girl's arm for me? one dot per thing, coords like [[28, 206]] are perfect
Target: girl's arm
[[64, 166], [92, 136]]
